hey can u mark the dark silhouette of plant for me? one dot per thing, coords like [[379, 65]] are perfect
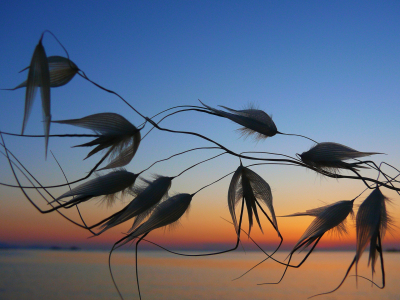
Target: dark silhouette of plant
[[151, 207]]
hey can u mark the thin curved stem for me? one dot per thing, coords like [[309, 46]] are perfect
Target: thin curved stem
[[51, 135], [109, 267], [234, 171], [66, 179], [199, 148], [384, 174], [328, 174], [58, 41], [391, 167], [268, 256], [22, 189], [198, 164], [179, 111], [41, 211], [345, 276], [60, 185], [212, 182], [290, 257], [136, 262], [83, 75], [178, 106], [298, 135], [272, 153], [206, 254]]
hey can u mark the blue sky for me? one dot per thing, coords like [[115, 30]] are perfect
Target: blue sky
[[327, 70]]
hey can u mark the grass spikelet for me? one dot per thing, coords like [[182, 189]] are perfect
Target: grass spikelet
[[372, 221], [329, 217], [61, 69], [247, 185], [147, 198], [38, 76], [165, 214], [108, 186], [117, 134], [255, 122], [331, 157]]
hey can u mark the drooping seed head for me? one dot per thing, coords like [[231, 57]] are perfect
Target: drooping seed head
[[248, 185], [118, 134], [330, 156], [147, 198], [330, 217], [38, 76], [254, 121], [372, 221], [165, 214], [108, 186], [61, 69]]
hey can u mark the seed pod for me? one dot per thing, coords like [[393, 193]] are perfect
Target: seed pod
[[166, 213], [250, 187], [329, 156], [118, 134], [371, 223], [329, 217], [61, 69], [142, 205], [254, 121], [38, 76], [109, 186]]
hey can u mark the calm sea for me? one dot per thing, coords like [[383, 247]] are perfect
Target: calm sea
[[34, 274]]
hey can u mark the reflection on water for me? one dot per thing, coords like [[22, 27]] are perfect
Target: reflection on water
[[84, 275]]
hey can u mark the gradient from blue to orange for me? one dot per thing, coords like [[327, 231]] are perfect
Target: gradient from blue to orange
[[329, 71]]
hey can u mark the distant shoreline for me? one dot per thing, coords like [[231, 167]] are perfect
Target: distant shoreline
[[74, 248]]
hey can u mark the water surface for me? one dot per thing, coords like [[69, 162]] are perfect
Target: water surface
[[37, 274]]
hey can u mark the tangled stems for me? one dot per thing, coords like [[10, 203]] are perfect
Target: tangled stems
[[61, 205], [380, 251], [65, 176], [277, 158], [197, 108], [52, 135], [322, 172], [289, 160], [29, 199], [104, 157]]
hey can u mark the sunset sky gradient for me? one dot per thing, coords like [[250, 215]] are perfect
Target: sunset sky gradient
[[327, 70]]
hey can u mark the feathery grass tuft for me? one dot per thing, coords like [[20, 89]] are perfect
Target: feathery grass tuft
[[118, 134], [254, 121], [330, 157], [108, 186], [147, 198], [61, 69], [38, 76], [329, 217], [166, 213], [372, 222], [247, 185]]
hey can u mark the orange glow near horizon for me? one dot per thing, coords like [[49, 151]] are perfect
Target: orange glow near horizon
[[23, 225]]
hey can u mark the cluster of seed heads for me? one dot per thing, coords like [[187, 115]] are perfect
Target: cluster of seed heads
[[151, 206]]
